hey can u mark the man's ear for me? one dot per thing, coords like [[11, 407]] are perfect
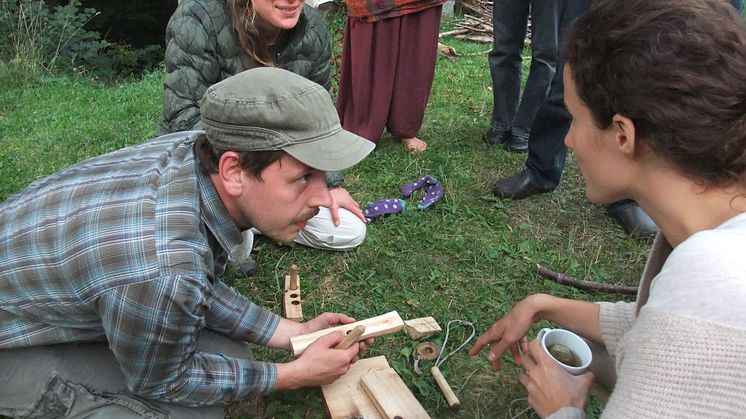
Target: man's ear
[[230, 173], [624, 134]]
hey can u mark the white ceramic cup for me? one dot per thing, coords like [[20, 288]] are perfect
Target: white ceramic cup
[[548, 337]]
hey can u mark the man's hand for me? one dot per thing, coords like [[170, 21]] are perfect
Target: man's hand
[[549, 387], [342, 199], [326, 320], [319, 364], [507, 333]]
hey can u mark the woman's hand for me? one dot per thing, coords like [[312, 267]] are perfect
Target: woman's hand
[[508, 332], [342, 199], [549, 386]]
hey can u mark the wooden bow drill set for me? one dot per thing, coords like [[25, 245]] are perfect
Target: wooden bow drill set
[[371, 388]]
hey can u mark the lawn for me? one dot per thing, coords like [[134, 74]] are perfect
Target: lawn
[[471, 257]]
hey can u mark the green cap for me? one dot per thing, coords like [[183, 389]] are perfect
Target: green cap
[[266, 109]]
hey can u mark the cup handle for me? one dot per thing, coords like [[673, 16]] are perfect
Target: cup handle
[[542, 332]]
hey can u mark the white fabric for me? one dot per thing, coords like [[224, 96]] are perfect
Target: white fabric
[[320, 233]]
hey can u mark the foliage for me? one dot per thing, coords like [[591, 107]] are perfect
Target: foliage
[[43, 39]]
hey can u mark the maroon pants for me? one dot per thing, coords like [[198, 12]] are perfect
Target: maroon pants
[[387, 72]]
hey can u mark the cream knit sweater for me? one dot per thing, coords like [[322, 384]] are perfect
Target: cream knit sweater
[[680, 350]]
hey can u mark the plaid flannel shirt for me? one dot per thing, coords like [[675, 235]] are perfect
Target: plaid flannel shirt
[[128, 247]]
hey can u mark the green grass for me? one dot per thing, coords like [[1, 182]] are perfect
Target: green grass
[[471, 257]]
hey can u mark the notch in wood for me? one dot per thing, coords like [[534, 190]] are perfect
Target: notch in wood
[[352, 337], [291, 297]]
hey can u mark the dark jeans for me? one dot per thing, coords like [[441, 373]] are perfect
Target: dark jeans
[[546, 146], [509, 19]]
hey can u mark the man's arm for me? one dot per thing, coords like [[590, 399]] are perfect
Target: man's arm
[[152, 328]]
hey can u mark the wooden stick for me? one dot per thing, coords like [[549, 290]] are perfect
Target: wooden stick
[[563, 279], [352, 337], [293, 277], [451, 398], [376, 326], [453, 32]]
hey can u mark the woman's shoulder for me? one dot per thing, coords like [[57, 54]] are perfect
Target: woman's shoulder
[[706, 275]]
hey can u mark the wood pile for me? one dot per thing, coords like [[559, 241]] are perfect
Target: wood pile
[[476, 25]]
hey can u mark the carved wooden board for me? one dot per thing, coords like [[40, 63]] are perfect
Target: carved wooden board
[[346, 399], [375, 326]]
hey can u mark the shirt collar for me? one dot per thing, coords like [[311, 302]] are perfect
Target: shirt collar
[[215, 215]]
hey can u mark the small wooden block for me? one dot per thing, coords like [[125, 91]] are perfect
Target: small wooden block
[[375, 326], [391, 396], [345, 398], [291, 303], [417, 328]]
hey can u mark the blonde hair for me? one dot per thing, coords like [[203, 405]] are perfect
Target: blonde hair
[[243, 16]]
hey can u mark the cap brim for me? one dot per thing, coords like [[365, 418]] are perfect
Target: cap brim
[[337, 151]]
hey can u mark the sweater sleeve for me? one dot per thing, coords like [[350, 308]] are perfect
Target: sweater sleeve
[[679, 366], [191, 67], [615, 319]]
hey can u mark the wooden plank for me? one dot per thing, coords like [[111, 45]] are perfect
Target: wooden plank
[[417, 328], [291, 303], [391, 396], [345, 398], [375, 326]]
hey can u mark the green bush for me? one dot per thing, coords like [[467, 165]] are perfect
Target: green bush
[[40, 39]]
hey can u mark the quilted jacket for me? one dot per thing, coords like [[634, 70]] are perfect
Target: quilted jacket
[[202, 49]]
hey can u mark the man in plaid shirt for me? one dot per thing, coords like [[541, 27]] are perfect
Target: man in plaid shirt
[[110, 298]]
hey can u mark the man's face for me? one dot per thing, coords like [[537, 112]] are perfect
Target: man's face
[[596, 150], [281, 203]]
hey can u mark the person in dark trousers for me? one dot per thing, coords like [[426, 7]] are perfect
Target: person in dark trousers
[[513, 112], [547, 151]]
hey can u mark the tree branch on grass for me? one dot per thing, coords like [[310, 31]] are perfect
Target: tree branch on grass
[[563, 279]]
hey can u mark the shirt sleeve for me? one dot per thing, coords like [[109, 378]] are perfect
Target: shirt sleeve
[[152, 328], [234, 315], [191, 67]]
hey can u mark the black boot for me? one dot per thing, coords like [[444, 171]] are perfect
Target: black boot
[[517, 186], [496, 136], [633, 219]]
